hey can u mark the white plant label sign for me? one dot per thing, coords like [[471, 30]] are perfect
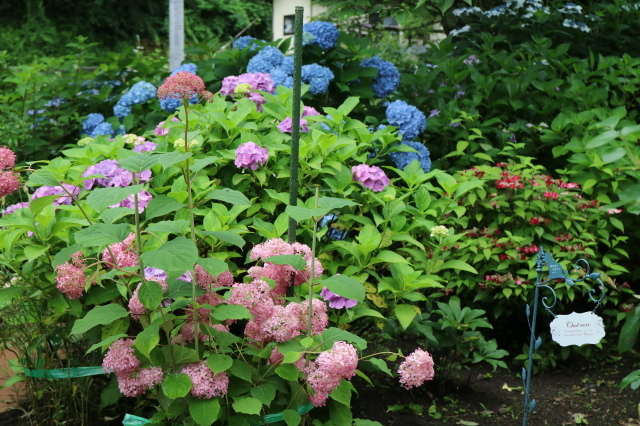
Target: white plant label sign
[[577, 329]]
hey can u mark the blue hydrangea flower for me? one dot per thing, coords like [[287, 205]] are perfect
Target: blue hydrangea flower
[[281, 77], [325, 34], [409, 120], [170, 105], [287, 64], [402, 159], [139, 93], [103, 128], [388, 77], [318, 77], [91, 122], [192, 68], [267, 59], [333, 233], [246, 41]]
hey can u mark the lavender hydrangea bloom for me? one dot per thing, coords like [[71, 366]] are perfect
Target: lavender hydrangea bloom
[[246, 41], [13, 207], [192, 68], [318, 77], [335, 301], [372, 177], [104, 129], [44, 191], [325, 34], [145, 147], [90, 123], [143, 199], [402, 159], [250, 156], [113, 175], [388, 77], [409, 119], [155, 274], [267, 59], [256, 81]]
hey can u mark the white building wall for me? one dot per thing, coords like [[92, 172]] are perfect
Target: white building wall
[[282, 8]]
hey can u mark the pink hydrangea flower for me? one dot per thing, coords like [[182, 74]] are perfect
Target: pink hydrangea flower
[[250, 156], [205, 384], [307, 110], [120, 358], [9, 183], [324, 375], [286, 126], [71, 278], [182, 85], [372, 177], [161, 130], [416, 369], [7, 158], [139, 382], [124, 252]]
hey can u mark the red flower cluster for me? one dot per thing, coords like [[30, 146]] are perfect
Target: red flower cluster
[[509, 180], [183, 85]]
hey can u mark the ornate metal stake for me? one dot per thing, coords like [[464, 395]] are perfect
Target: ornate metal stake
[[555, 272]]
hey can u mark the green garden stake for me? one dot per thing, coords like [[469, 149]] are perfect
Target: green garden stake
[[565, 329], [295, 118]]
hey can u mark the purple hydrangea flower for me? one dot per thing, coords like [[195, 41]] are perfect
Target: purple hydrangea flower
[[13, 207], [145, 147], [257, 81], [372, 177], [143, 199], [114, 176], [44, 191], [286, 126], [155, 274], [250, 156], [335, 301]]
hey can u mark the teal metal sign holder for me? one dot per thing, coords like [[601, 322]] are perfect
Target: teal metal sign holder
[[555, 272]]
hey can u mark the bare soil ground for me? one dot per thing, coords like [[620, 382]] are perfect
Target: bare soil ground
[[573, 395]]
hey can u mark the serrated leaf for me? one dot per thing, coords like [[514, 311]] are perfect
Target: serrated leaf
[[332, 334], [161, 205], [204, 411], [101, 198], [295, 260], [229, 196], [138, 162], [99, 315], [112, 215], [291, 417], [213, 265], [331, 203], [247, 405], [169, 226], [106, 342], [226, 236], [102, 234], [287, 372], [265, 393], [168, 159], [150, 294], [176, 385], [300, 214], [381, 364], [345, 286], [219, 363], [175, 257], [179, 354], [405, 314], [44, 177], [225, 312], [148, 339], [459, 265]]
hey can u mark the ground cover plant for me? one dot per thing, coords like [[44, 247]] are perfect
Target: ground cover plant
[[154, 234]]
